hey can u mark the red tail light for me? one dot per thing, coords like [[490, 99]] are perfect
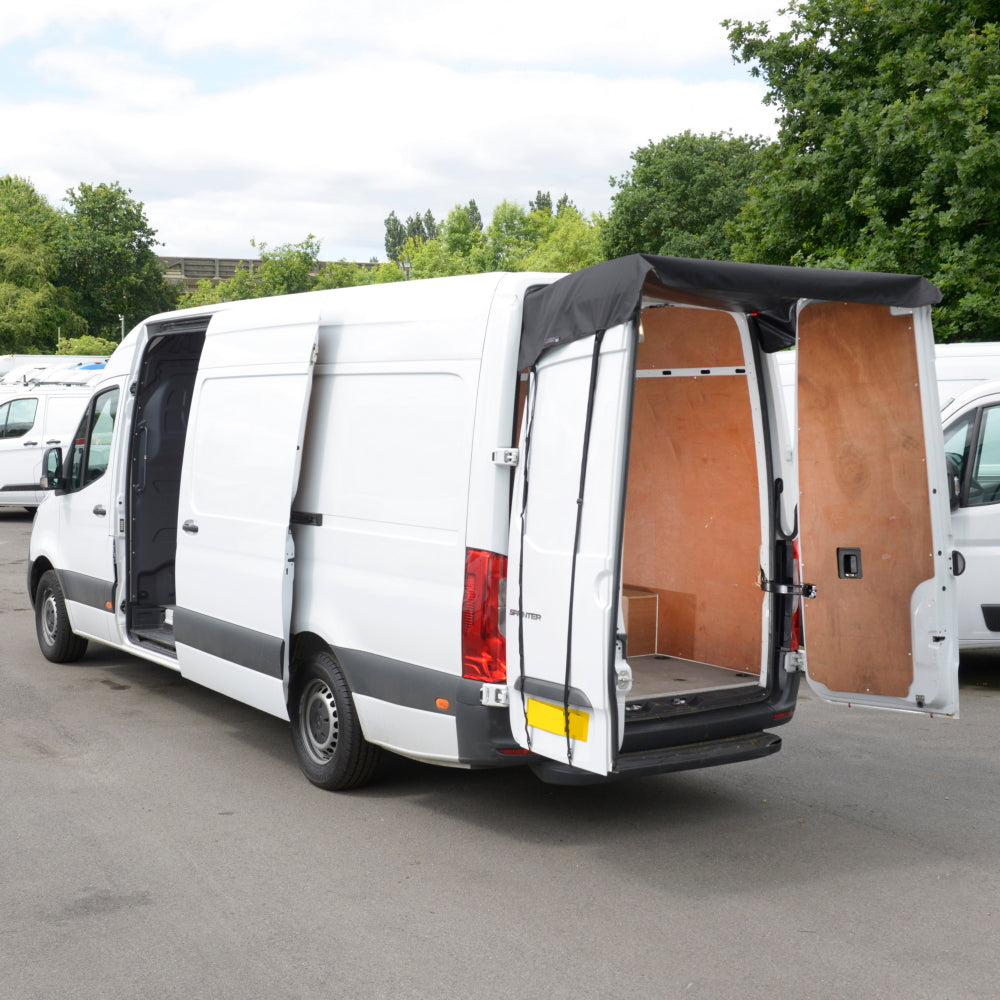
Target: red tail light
[[484, 647], [796, 641]]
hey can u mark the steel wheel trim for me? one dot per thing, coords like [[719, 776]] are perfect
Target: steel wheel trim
[[318, 721], [50, 618]]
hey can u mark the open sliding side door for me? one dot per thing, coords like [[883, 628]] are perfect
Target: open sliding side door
[[565, 552], [235, 556], [874, 510]]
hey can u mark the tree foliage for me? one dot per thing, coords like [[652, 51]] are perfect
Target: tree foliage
[[681, 196], [288, 268], [888, 152], [86, 344], [395, 236], [34, 310], [108, 261], [516, 239]]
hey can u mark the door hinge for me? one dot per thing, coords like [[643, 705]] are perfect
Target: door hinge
[[795, 662], [506, 456], [792, 589]]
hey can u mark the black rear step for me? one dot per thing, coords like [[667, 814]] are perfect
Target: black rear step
[[731, 750]]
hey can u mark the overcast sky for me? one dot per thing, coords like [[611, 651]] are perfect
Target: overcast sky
[[239, 120]]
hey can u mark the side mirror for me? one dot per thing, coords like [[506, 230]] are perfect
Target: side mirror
[[52, 475]]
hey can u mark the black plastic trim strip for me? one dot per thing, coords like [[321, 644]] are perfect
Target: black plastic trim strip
[[88, 590], [19, 487], [251, 649], [552, 691]]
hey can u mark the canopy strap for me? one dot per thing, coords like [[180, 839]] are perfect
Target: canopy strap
[[591, 394], [529, 416]]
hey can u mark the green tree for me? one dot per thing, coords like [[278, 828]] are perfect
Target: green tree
[[542, 202], [571, 244], [86, 345], [384, 274], [344, 274], [288, 268], [681, 195], [475, 219], [395, 236], [507, 237], [108, 261], [888, 149], [433, 259], [34, 310], [460, 232]]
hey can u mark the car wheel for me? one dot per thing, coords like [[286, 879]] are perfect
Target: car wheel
[[326, 734], [56, 639]]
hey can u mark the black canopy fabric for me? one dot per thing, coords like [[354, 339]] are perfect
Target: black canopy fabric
[[605, 295]]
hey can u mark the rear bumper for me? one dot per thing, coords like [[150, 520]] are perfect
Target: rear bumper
[[687, 757]]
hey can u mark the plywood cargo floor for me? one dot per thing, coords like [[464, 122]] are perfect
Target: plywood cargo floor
[[659, 675]]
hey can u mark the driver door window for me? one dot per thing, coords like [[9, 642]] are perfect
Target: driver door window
[[91, 450], [984, 483], [973, 444]]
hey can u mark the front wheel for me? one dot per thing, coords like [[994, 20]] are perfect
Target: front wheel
[[56, 639], [326, 734]]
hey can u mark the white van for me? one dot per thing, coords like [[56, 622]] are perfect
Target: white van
[[962, 366], [32, 420], [972, 444], [958, 367], [519, 518], [50, 369]]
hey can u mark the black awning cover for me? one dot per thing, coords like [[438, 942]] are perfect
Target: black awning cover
[[605, 295]]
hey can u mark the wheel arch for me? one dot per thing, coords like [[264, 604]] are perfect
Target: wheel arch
[[303, 645], [36, 571]]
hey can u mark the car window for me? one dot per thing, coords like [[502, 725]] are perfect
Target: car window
[[91, 450], [984, 483], [17, 417]]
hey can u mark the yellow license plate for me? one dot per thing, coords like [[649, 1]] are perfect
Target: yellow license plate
[[552, 718]]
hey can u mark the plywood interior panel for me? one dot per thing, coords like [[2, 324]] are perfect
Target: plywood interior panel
[[863, 485], [676, 337], [692, 518]]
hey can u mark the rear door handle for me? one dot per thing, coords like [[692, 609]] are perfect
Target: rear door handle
[[99, 510], [190, 527], [29, 444]]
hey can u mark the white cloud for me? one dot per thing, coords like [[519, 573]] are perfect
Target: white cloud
[[389, 110]]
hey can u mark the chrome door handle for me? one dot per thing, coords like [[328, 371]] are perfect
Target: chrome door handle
[[190, 527]]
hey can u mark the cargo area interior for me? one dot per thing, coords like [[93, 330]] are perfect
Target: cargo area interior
[[163, 402], [690, 598]]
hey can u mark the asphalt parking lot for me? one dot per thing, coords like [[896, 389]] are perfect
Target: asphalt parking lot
[[159, 841]]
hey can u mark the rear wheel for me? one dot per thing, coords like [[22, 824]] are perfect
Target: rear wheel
[[56, 639], [332, 750]]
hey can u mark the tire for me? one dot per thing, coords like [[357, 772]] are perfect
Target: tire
[[326, 734], [56, 639]]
